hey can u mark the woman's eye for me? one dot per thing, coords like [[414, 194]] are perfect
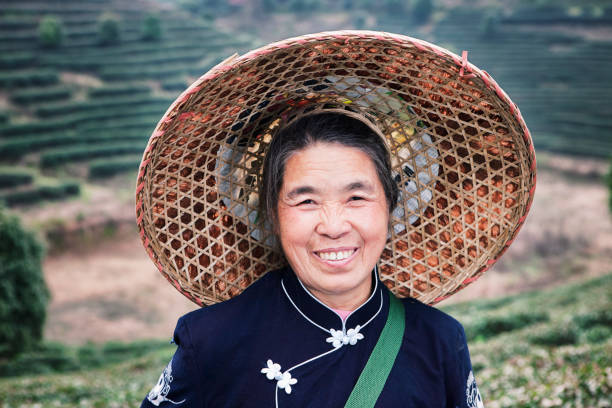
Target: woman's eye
[[306, 202], [355, 198]]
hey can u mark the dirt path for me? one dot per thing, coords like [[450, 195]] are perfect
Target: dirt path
[[112, 291]]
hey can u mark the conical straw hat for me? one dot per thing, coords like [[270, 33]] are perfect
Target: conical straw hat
[[461, 153]]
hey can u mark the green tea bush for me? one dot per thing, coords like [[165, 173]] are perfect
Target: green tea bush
[[28, 96], [598, 334], [20, 36], [155, 57], [136, 133], [175, 84], [35, 128], [119, 90], [107, 168], [103, 116], [21, 197], [555, 336], [117, 103], [594, 318], [58, 157], [4, 117], [141, 122], [15, 148], [50, 32], [151, 28], [46, 357], [489, 326], [16, 79], [108, 29], [68, 62], [10, 177], [19, 22], [40, 193], [23, 292], [17, 60], [143, 72], [50, 357]]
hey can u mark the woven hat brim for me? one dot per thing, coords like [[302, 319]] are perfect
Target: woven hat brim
[[462, 156]]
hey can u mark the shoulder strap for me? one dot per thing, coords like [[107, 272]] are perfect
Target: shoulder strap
[[377, 369]]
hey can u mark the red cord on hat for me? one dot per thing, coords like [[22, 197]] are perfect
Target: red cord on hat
[[465, 66]]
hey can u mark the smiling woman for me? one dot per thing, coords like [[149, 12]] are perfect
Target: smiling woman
[[323, 192], [332, 222], [328, 205], [303, 188]]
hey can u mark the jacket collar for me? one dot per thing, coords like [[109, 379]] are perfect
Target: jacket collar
[[323, 316]]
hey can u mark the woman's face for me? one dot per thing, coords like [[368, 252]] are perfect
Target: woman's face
[[332, 222]]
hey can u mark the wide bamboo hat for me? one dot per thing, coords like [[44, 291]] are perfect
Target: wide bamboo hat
[[461, 154]]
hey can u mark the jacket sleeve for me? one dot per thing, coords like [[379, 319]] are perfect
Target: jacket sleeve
[[176, 386], [461, 388]]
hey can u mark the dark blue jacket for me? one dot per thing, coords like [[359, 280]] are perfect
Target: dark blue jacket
[[234, 354]]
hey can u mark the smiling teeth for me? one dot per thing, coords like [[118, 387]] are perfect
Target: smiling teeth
[[335, 256]]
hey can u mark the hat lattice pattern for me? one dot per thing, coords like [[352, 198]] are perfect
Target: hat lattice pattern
[[461, 154]]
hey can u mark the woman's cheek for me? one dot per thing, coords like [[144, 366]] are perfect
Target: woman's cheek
[[296, 222], [372, 218]]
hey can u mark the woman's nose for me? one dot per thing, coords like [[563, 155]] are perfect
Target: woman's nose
[[333, 224]]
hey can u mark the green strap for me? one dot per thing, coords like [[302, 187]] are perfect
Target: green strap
[[377, 369]]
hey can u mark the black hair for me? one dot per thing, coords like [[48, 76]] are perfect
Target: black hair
[[326, 127]]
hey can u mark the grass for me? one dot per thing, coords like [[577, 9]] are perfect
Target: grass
[[513, 367]]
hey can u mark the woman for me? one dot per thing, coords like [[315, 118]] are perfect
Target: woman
[[324, 330], [328, 190]]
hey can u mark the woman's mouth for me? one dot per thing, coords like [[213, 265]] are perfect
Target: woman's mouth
[[336, 255]]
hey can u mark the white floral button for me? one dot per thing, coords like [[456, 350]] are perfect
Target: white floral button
[[339, 338], [273, 371], [283, 380], [286, 382]]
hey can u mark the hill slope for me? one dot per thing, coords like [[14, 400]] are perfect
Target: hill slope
[[539, 349], [84, 110]]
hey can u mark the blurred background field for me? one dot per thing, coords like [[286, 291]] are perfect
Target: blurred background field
[[83, 84]]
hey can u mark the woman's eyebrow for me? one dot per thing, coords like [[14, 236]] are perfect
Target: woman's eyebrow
[[359, 185], [300, 190], [353, 186]]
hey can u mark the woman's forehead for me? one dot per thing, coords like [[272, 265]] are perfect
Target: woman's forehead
[[329, 166]]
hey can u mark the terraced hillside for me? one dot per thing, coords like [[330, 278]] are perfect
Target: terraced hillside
[[84, 110], [554, 62]]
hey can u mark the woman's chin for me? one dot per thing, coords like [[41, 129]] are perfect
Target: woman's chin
[[345, 287]]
